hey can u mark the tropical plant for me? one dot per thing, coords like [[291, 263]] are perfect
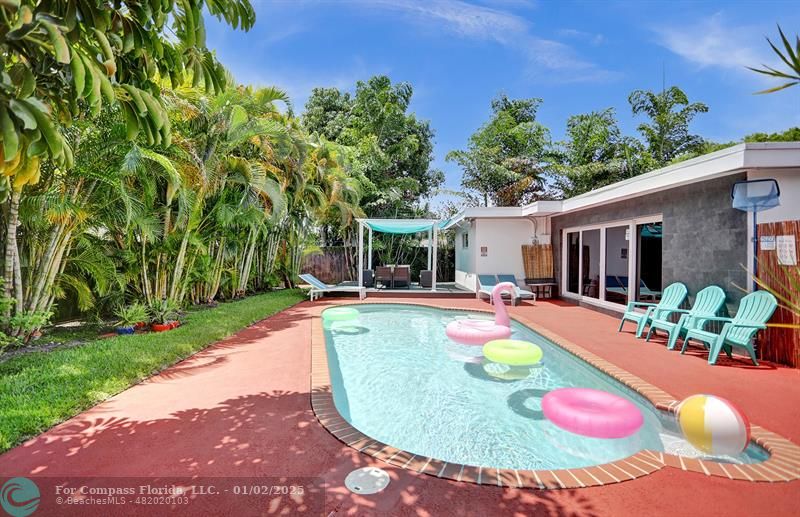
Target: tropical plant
[[132, 314], [63, 61], [503, 159], [595, 154], [784, 285], [387, 149], [670, 113], [791, 59], [163, 311]]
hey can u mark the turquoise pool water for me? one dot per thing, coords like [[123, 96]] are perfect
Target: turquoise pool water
[[397, 378]]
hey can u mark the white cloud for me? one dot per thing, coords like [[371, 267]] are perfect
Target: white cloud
[[590, 37], [464, 19], [713, 42], [467, 20]]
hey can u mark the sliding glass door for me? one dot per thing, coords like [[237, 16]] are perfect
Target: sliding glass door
[[617, 264], [648, 261], [573, 262], [614, 262]]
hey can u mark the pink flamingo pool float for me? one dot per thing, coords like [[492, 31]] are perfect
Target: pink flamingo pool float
[[480, 332]]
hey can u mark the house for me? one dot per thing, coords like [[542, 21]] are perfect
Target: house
[[628, 240]]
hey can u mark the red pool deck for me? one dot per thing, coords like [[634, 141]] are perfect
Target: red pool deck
[[242, 408]]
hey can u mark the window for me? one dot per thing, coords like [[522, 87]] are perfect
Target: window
[[573, 262], [590, 263], [613, 262], [616, 288], [465, 240]]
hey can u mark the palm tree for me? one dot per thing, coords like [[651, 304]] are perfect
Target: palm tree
[[670, 113], [791, 59]]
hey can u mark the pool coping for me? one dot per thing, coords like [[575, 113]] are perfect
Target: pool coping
[[783, 464]]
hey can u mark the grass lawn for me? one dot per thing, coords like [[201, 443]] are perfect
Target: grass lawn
[[39, 390]]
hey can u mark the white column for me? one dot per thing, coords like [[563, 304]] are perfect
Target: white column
[[360, 254], [430, 244], [435, 231], [369, 250]]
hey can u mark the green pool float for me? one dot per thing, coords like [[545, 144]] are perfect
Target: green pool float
[[512, 352], [340, 314]]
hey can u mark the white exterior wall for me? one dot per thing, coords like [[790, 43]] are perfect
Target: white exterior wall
[[789, 183], [503, 239], [465, 257]]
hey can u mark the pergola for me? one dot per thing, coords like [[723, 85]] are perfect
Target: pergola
[[397, 226]]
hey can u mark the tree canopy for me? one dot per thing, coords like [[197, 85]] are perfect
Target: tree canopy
[[667, 134], [502, 161], [384, 143]]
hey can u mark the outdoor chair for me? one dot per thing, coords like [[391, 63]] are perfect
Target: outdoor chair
[[426, 278], [487, 283], [319, 288], [402, 277], [754, 312], [672, 298], [708, 301], [523, 294], [383, 274], [369, 278]]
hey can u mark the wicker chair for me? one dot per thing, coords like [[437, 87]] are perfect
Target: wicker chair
[[402, 277], [383, 274]]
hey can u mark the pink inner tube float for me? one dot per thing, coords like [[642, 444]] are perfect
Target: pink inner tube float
[[593, 413], [480, 332]]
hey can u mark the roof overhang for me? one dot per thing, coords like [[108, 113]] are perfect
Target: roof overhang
[[732, 160]]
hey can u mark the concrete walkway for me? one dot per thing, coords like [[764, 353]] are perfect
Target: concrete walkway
[[241, 408]]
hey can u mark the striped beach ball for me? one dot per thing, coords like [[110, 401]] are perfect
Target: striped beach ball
[[714, 425]]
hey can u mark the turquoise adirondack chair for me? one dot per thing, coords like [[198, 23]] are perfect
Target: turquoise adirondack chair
[[754, 312], [671, 298], [708, 301]]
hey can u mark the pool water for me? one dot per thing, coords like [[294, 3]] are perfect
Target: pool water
[[397, 378]]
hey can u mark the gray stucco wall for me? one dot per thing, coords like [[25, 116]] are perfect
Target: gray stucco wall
[[704, 239]]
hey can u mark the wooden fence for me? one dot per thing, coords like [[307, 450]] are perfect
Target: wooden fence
[[331, 266], [781, 345]]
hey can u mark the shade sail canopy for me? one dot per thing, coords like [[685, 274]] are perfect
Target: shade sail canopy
[[400, 226]]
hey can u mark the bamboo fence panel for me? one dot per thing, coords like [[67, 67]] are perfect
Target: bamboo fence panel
[[780, 345], [538, 260]]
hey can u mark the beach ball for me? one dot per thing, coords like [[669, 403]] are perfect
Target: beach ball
[[714, 425]]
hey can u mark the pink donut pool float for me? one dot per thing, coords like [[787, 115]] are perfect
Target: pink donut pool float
[[593, 413], [480, 332]]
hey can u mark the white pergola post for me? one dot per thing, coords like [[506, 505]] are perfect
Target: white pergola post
[[430, 236], [369, 250], [360, 254], [435, 231]]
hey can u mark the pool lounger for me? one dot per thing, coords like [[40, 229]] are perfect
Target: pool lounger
[[319, 288]]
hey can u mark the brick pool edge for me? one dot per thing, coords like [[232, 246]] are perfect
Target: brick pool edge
[[783, 464]]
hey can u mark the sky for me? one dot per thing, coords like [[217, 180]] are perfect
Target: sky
[[576, 56]]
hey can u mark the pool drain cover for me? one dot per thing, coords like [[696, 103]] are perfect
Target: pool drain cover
[[367, 480]]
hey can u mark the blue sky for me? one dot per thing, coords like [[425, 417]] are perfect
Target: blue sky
[[576, 56]]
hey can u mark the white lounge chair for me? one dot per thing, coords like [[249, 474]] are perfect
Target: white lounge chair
[[521, 293], [487, 283], [319, 288]]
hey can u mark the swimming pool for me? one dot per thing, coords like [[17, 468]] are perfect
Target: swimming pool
[[397, 378]]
